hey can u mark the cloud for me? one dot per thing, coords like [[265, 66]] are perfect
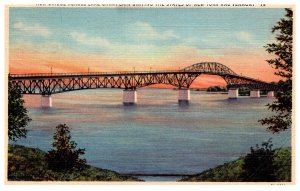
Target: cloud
[[215, 41], [91, 41], [145, 30], [244, 36], [98, 44], [33, 29]]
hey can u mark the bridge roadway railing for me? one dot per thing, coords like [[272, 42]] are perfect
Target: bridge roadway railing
[[93, 73], [89, 74]]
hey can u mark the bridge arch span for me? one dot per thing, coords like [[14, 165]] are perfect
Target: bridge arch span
[[210, 68]]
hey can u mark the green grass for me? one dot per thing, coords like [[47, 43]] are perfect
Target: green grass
[[29, 164], [230, 171]]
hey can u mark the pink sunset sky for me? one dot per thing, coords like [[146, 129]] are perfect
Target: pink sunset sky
[[105, 40]]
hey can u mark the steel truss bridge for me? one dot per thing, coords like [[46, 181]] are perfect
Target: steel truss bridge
[[53, 83]]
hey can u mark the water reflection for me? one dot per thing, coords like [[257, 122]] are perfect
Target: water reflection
[[183, 103], [157, 135]]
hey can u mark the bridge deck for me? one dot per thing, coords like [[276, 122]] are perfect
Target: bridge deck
[[121, 73], [92, 74], [50, 83]]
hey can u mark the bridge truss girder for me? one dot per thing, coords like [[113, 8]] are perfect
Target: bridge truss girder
[[236, 82], [58, 85], [50, 86], [47, 84]]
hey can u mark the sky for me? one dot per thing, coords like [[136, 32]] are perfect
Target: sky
[[142, 39]]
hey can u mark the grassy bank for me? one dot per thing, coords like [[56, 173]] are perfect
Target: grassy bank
[[29, 164], [231, 171]]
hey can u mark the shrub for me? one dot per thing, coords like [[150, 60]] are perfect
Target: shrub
[[64, 156], [258, 164]]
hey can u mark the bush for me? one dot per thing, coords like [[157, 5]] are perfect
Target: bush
[[259, 164], [64, 156], [29, 164], [244, 91], [216, 89]]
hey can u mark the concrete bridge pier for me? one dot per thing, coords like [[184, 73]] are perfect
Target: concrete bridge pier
[[184, 95], [129, 97], [46, 101], [233, 93], [270, 94], [254, 93]]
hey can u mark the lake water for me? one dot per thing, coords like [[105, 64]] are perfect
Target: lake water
[[157, 136]]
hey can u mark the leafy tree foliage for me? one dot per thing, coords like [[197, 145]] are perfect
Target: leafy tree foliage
[[216, 89], [283, 63], [64, 156], [30, 164], [18, 118], [244, 90], [258, 164]]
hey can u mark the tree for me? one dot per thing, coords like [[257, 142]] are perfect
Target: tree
[[258, 164], [244, 90], [283, 63], [18, 118], [64, 156]]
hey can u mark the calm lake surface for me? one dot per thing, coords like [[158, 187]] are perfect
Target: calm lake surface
[[157, 136]]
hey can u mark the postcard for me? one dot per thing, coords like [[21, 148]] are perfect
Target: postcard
[[150, 93]]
